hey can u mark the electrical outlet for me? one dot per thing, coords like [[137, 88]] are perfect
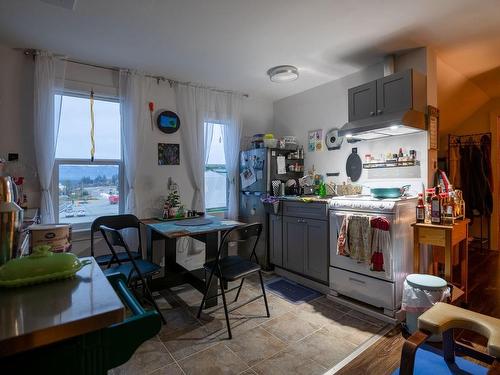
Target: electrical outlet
[[12, 156]]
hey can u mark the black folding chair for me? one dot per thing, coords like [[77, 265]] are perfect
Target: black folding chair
[[232, 268], [135, 270], [117, 222]]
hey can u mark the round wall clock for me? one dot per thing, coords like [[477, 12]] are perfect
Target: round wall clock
[[168, 122]]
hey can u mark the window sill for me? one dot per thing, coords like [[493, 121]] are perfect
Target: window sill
[[216, 210]]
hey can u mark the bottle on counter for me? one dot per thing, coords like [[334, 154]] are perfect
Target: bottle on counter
[[420, 210], [436, 207]]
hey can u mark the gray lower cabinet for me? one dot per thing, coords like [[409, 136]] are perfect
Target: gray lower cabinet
[[316, 254], [276, 240], [305, 247], [294, 243]]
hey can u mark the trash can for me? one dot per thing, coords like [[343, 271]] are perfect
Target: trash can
[[420, 293]]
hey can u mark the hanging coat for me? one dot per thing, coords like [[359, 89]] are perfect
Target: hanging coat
[[475, 184]]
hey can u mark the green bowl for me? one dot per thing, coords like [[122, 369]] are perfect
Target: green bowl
[[41, 266]]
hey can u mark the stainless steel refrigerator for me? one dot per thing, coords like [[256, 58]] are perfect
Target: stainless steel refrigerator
[[258, 167], [254, 183]]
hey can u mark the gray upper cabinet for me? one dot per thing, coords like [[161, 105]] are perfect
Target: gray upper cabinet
[[394, 93], [276, 240], [362, 101]]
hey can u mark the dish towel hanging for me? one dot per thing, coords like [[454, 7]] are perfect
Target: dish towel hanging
[[381, 245], [342, 243], [358, 238]]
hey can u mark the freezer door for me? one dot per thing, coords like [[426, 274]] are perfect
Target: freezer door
[[252, 211], [254, 170], [250, 205]]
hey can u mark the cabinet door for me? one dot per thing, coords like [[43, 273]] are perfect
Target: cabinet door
[[316, 256], [276, 240], [294, 243], [394, 93], [362, 101]]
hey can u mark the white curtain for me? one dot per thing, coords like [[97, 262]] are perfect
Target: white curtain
[[232, 140], [133, 114], [197, 106], [192, 136], [209, 135], [49, 78]]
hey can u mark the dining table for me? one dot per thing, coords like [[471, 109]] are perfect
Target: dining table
[[207, 229]]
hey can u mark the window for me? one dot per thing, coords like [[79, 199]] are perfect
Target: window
[[85, 190], [215, 169]]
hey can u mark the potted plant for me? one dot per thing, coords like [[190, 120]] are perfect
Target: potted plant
[[173, 201], [271, 204]]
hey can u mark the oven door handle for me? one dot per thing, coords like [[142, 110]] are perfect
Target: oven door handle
[[357, 280]]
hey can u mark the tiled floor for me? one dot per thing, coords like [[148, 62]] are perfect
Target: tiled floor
[[297, 339]]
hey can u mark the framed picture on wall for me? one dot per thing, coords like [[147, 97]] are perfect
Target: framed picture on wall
[[315, 140], [433, 127], [168, 154]]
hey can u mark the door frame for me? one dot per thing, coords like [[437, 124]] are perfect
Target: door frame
[[495, 153]]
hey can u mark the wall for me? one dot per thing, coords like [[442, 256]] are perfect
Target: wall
[[325, 107], [484, 120], [16, 129], [458, 99], [16, 116]]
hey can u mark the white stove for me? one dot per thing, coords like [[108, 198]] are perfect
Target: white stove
[[366, 203], [356, 280]]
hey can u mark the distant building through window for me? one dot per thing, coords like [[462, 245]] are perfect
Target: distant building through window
[[215, 169], [85, 190]]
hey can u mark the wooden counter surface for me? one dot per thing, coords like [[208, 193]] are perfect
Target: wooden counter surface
[[42, 314]]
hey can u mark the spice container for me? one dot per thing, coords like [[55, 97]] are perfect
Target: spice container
[[436, 208], [420, 209]]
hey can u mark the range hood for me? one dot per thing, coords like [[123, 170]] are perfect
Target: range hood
[[386, 125]]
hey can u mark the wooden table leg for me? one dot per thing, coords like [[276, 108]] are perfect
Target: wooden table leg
[[170, 252], [211, 248], [464, 265], [448, 264], [416, 251], [149, 243]]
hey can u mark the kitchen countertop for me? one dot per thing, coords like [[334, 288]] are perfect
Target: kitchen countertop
[[42, 314], [305, 199]]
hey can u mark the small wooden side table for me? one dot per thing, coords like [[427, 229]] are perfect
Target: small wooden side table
[[447, 237]]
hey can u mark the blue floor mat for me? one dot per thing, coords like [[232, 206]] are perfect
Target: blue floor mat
[[292, 292], [430, 361]]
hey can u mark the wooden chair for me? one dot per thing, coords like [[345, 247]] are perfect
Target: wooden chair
[[232, 268], [441, 319], [117, 222]]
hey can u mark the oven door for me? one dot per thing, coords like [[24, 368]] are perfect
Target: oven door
[[347, 263]]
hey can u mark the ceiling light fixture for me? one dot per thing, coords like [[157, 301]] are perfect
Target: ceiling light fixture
[[283, 73]]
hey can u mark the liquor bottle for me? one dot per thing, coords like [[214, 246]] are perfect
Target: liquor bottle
[[436, 207], [420, 210]]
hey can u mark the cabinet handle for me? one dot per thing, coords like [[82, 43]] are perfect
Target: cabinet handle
[[301, 221], [372, 113], [357, 280], [379, 111]]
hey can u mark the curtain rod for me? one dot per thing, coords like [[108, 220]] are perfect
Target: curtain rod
[[34, 52]]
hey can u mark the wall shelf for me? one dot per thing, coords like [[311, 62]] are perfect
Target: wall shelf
[[391, 164]]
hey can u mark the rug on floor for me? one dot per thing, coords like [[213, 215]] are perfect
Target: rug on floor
[[291, 291], [430, 360]]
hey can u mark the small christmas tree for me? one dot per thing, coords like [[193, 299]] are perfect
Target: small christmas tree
[[173, 199]]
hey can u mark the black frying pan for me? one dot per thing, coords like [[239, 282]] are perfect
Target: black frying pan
[[354, 166]]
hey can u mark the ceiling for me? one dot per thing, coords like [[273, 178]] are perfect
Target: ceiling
[[230, 44]]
